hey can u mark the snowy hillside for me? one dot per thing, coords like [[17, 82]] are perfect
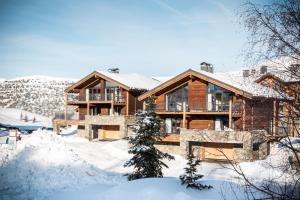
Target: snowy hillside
[[12, 116], [37, 94]]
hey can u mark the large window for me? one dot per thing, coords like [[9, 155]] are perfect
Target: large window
[[217, 98], [175, 99]]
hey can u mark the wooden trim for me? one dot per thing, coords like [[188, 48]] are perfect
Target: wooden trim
[[91, 83], [173, 89], [230, 113], [95, 73]]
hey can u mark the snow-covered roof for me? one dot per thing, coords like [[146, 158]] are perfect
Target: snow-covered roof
[[238, 81], [162, 78], [133, 80], [279, 68]]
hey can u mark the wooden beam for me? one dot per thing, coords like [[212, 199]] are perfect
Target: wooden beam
[[184, 115], [127, 102], [91, 83], [112, 104], [230, 113]]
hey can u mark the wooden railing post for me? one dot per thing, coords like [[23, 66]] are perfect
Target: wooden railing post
[[230, 113], [184, 115]]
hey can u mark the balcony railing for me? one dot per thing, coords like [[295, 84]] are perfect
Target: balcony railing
[[96, 97], [209, 107], [201, 107]]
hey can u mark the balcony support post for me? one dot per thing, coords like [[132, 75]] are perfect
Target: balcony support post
[[184, 115], [230, 114], [127, 102], [112, 103]]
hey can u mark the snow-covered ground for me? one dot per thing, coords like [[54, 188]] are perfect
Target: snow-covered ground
[[12, 116], [47, 166]]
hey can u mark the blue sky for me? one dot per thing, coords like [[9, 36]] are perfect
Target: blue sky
[[153, 37]]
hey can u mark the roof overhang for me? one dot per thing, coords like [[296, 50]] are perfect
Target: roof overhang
[[192, 73]]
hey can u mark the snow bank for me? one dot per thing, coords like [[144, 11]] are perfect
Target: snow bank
[[170, 188], [48, 166], [42, 164]]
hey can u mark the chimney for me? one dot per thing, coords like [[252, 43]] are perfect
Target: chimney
[[263, 69], [246, 73], [204, 66], [114, 70]]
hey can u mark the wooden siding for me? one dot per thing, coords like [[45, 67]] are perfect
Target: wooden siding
[[201, 122], [258, 115], [160, 102], [82, 112], [197, 94]]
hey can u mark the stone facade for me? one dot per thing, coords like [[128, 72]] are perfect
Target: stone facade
[[247, 145], [122, 121]]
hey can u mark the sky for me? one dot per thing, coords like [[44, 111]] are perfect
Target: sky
[[69, 38]]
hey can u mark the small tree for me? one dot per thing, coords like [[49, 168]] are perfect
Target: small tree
[[33, 120], [190, 177], [21, 116], [26, 118], [146, 160]]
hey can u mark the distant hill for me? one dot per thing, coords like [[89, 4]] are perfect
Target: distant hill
[[41, 95]]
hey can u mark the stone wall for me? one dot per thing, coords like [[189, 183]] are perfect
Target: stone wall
[[122, 121], [237, 138]]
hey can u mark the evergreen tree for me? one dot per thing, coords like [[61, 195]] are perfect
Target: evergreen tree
[[33, 120], [190, 177], [146, 160]]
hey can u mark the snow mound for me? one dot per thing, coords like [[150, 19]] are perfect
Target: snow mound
[[42, 164], [169, 188]]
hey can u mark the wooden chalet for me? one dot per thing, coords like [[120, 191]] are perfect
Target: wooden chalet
[[204, 101], [104, 103], [289, 87]]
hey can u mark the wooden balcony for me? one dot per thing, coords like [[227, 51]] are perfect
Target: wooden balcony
[[75, 99], [196, 109]]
